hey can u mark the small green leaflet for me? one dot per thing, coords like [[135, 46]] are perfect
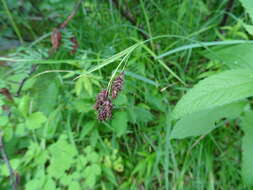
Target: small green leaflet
[[50, 184], [247, 148], [61, 157], [217, 90], [203, 122], [74, 185], [35, 120]]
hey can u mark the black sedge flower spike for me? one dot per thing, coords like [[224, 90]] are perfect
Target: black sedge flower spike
[[117, 85], [105, 111], [103, 106], [101, 98]]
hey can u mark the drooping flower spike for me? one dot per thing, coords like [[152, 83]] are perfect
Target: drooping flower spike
[[117, 85], [103, 104]]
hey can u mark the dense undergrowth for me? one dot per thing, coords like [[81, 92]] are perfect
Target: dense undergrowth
[[50, 129]]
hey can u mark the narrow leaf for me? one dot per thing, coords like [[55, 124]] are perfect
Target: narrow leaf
[[247, 144]]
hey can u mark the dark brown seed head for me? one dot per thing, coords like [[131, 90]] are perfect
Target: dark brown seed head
[[103, 106], [105, 111], [75, 45], [117, 85], [101, 98], [56, 38]]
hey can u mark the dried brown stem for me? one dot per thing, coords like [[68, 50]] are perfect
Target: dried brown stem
[[7, 162], [126, 13], [6, 93], [228, 8], [73, 13], [24, 80]]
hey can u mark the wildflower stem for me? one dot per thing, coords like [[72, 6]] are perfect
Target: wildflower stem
[[7, 162]]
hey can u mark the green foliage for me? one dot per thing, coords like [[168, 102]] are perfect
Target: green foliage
[[51, 133]]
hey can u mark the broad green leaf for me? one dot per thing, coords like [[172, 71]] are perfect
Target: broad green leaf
[[35, 120], [247, 150], [46, 93], [247, 4], [119, 123], [221, 89], [203, 122], [236, 56]]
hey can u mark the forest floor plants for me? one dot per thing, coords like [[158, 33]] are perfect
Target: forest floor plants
[[51, 133]]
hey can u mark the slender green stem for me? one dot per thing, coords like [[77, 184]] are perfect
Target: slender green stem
[[17, 31], [148, 23], [115, 71]]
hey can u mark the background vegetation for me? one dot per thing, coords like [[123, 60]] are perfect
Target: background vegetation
[[56, 56]]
